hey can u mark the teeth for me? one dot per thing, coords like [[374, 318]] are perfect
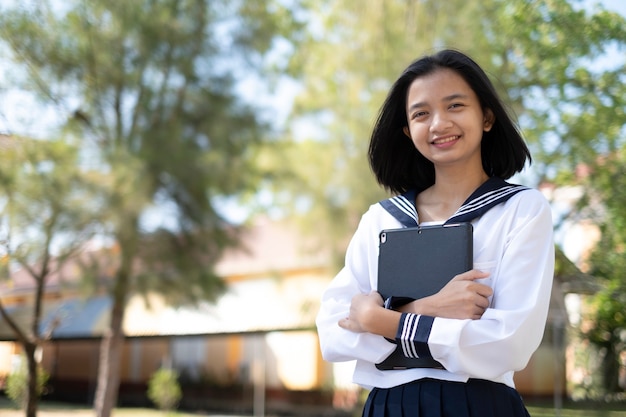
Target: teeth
[[446, 140]]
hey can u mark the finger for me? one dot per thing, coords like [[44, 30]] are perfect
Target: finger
[[482, 303], [478, 312], [471, 275], [378, 297], [483, 290], [476, 274], [344, 323]]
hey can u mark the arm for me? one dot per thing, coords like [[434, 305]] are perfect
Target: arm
[[461, 298], [357, 277]]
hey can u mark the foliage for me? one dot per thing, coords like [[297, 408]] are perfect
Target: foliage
[[353, 53], [567, 96], [46, 216], [553, 59], [559, 64], [607, 328], [46, 202], [164, 390], [147, 89], [17, 384]]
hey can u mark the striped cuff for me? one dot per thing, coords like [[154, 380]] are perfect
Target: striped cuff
[[412, 335]]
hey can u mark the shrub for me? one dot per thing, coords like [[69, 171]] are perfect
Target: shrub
[[164, 390], [17, 384]]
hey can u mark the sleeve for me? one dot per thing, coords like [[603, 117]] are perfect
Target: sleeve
[[357, 276], [412, 335], [508, 333]]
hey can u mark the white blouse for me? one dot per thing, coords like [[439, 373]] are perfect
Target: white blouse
[[513, 241]]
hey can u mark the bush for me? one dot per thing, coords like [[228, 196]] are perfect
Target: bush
[[164, 390], [17, 384]]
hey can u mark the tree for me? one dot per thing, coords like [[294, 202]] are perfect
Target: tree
[[540, 60], [150, 86], [574, 114], [607, 322], [45, 220]]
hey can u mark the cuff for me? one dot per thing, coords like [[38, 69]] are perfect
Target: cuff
[[394, 303], [412, 335]]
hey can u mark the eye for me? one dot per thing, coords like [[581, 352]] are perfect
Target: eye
[[418, 114], [456, 105]]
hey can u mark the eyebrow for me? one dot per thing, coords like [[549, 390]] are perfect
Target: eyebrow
[[449, 98]]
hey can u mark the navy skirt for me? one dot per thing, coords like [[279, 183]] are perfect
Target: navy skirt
[[436, 398]]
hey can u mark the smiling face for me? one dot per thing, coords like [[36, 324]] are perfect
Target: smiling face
[[445, 119]]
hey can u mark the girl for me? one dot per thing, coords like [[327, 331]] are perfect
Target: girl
[[444, 143]]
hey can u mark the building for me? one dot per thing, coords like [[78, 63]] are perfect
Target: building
[[256, 348]]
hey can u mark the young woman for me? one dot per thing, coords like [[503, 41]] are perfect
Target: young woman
[[444, 144]]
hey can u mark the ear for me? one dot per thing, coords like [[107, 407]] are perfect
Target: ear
[[406, 131], [488, 120]]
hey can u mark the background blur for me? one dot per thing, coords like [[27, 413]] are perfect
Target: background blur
[[180, 179]]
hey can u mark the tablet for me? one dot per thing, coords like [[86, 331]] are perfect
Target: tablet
[[416, 262]]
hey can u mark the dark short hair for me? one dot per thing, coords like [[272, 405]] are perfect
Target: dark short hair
[[397, 164]]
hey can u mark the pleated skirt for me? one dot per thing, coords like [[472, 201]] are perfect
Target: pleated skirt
[[436, 398]]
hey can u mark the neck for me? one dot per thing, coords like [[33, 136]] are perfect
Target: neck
[[457, 186], [450, 190]]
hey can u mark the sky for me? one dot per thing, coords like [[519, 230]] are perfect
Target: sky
[[615, 5], [18, 112]]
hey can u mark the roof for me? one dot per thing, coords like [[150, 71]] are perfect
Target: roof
[[286, 278], [272, 246], [267, 304], [267, 246], [62, 319]]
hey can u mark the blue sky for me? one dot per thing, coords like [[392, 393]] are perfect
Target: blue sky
[[616, 5]]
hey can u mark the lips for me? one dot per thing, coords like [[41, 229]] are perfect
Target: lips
[[447, 139]]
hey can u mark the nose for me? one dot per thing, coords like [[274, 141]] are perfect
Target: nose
[[440, 122]]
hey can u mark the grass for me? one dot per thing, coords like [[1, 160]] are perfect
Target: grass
[[52, 409], [569, 412], [576, 409], [536, 409]]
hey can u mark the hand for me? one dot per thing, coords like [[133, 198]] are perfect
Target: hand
[[461, 298], [362, 310]]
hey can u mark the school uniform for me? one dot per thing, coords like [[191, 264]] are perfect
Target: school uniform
[[513, 242]]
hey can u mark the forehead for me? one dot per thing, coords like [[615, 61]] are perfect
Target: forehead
[[438, 85]]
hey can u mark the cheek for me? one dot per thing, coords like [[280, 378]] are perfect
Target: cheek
[[419, 137]]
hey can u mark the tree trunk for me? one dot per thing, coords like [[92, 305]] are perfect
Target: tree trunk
[[110, 353], [32, 394], [610, 368]]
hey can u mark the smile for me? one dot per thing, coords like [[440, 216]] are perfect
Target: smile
[[445, 140]]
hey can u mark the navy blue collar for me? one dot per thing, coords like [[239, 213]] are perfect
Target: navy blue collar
[[491, 193]]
